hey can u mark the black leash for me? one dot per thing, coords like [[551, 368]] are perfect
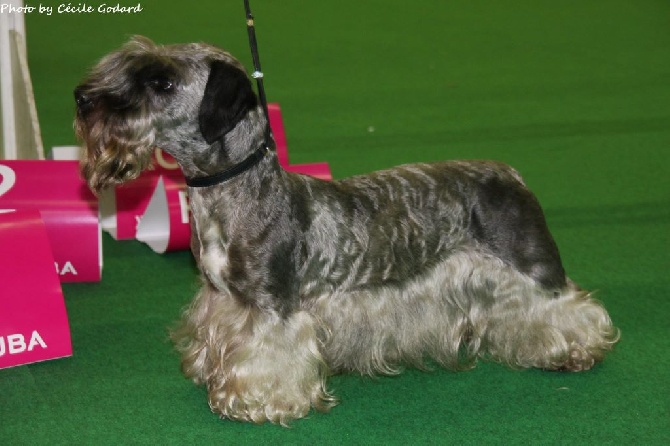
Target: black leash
[[258, 73], [264, 148]]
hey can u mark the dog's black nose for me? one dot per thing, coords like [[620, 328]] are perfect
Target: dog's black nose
[[84, 101]]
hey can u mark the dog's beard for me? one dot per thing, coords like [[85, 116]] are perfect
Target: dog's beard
[[117, 149]]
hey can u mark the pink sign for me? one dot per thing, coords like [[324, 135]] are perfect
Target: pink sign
[[33, 320], [69, 211]]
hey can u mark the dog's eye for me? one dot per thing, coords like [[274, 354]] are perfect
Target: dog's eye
[[160, 84]]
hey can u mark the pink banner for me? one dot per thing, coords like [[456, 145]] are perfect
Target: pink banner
[[69, 211], [33, 320]]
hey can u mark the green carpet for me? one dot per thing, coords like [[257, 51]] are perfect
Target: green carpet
[[574, 93]]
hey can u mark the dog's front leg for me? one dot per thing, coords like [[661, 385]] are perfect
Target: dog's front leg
[[257, 365]]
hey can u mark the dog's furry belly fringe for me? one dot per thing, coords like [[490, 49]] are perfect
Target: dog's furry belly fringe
[[470, 305]]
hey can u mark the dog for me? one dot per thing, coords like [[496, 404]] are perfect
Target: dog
[[419, 264]]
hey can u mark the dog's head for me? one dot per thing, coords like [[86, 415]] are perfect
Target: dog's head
[[178, 97]]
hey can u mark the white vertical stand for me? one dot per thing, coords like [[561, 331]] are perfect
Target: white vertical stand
[[20, 129]]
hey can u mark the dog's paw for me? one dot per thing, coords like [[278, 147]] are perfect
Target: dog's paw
[[268, 405]]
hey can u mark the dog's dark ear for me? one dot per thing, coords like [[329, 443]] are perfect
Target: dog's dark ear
[[227, 99]]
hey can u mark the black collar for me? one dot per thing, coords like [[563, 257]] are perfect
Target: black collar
[[232, 171]]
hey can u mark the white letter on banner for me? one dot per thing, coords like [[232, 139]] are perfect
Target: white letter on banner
[[36, 339], [16, 343], [8, 179], [183, 205], [160, 159]]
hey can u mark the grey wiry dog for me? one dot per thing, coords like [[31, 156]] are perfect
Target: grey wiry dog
[[305, 278]]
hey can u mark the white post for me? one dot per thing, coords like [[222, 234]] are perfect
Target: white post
[[21, 136]]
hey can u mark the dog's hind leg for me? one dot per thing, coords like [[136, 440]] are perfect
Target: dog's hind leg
[[528, 326]]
